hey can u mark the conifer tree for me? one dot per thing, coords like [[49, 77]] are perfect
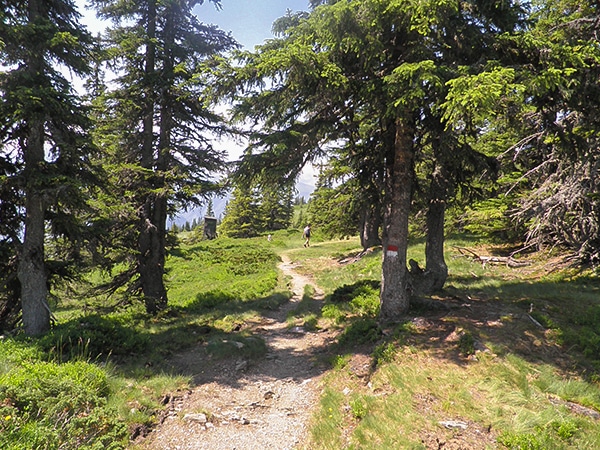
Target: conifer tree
[[45, 150], [210, 212], [559, 153], [277, 207], [160, 118], [372, 76], [242, 218]]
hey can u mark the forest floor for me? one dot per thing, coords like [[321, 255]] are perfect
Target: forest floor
[[264, 403]]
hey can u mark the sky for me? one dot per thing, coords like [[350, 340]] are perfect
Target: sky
[[250, 21]]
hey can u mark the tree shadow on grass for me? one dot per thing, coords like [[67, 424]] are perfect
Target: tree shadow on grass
[[556, 323]]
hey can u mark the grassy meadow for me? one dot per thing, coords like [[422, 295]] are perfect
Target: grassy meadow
[[502, 358]]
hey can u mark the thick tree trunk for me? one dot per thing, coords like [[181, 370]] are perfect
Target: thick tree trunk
[[31, 269], [435, 267], [152, 255], [370, 224], [395, 296]]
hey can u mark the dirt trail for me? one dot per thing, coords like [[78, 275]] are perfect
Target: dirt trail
[[245, 405]]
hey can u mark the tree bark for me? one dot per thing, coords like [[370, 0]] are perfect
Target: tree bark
[[435, 267], [152, 257], [151, 245], [370, 223], [395, 296], [31, 270]]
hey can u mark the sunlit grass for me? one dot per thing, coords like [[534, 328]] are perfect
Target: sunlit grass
[[513, 401], [515, 395], [409, 398]]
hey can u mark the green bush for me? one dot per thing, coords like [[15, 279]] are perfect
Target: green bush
[[384, 353], [523, 441], [466, 343], [348, 292], [548, 436], [94, 336], [360, 298], [361, 331], [359, 408], [52, 406]]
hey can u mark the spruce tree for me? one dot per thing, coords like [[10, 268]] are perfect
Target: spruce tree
[[373, 75], [44, 143], [210, 212], [242, 218], [160, 118]]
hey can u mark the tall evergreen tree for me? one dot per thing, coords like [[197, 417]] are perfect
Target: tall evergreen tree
[[276, 206], [210, 212], [559, 154], [43, 135], [335, 206], [358, 70], [242, 217], [162, 120]]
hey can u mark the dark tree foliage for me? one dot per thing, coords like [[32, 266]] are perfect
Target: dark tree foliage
[[559, 155], [339, 206], [241, 219], [254, 209], [45, 164]]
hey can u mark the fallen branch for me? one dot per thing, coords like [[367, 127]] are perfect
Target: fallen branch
[[509, 261]]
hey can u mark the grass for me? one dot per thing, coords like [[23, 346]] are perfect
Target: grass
[[100, 376], [512, 384], [47, 396]]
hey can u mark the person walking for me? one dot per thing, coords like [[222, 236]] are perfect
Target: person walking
[[306, 235]]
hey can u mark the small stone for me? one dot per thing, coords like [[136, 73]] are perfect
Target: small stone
[[241, 365], [268, 395], [454, 424], [199, 417]]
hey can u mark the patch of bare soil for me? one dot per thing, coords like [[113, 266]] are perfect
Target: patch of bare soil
[[249, 404]]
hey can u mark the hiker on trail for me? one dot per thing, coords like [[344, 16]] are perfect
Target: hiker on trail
[[306, 235]]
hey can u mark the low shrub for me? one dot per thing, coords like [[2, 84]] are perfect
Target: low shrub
[[93, 337], [51, 406], [348, 292], [361, 331]]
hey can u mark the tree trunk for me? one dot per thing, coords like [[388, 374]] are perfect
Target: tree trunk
[[435, 266], [31, 270], [395, 296], [370, 223], [152, 255], [151, 245]]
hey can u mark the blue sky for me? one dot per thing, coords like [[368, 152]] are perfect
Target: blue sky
[[249, 21]]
